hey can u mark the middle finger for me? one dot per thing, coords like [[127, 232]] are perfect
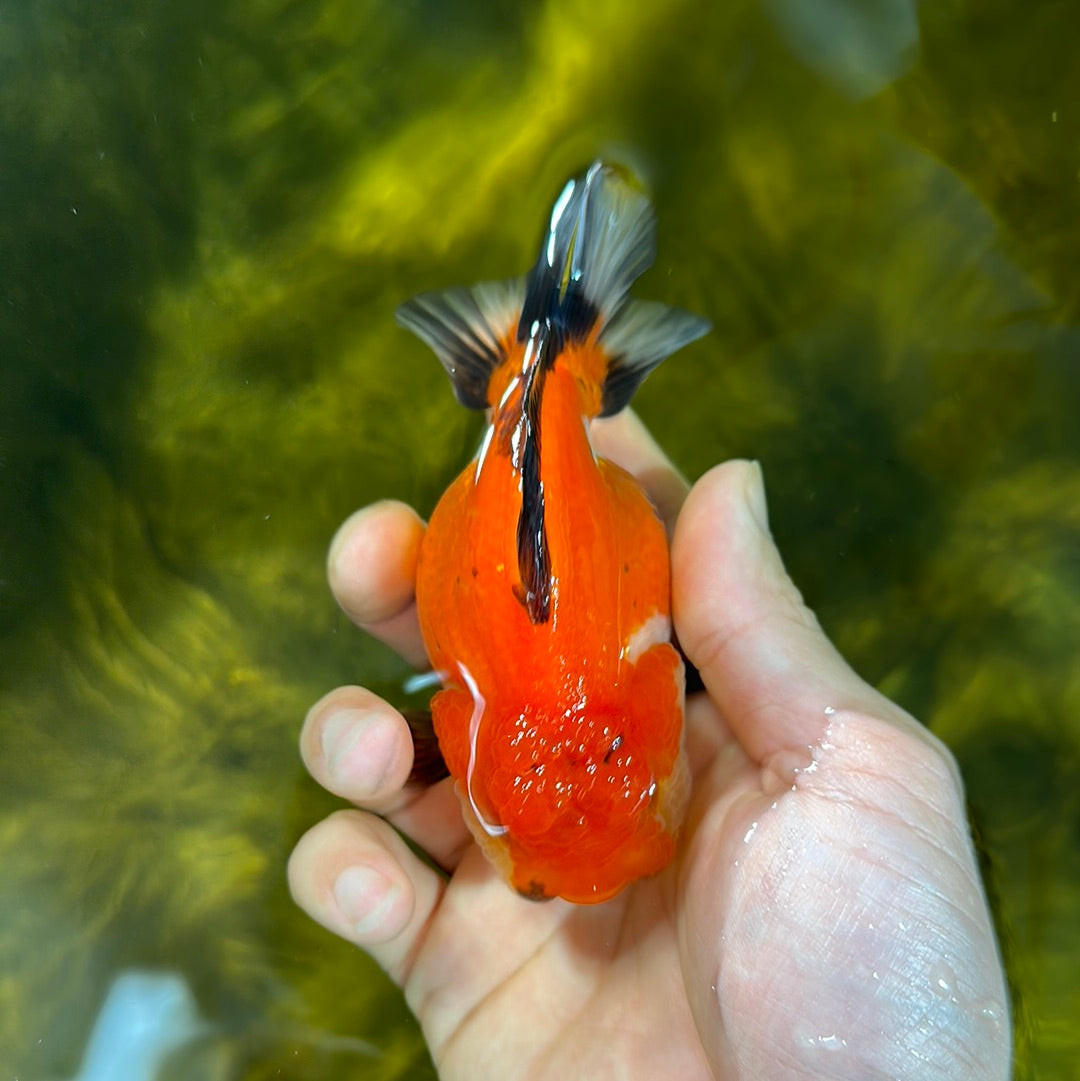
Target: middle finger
[[359, 747]]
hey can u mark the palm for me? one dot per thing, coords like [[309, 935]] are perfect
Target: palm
[[557, 991], [761, 935], [570, 989]]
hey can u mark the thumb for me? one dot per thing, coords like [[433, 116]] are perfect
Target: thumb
[[765, 661]]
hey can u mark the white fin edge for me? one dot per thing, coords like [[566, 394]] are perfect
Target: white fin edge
[[616, 243]]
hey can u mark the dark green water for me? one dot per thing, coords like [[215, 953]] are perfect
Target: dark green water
[[207, 215]]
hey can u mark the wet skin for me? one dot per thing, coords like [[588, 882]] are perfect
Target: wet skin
[[823, 916]]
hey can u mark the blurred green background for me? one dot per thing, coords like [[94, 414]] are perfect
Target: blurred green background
[[208, 212]]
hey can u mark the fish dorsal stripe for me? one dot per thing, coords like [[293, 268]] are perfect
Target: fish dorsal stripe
[[534, 560], [466, 328]]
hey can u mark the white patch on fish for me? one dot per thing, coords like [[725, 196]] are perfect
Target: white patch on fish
[[655, 630]]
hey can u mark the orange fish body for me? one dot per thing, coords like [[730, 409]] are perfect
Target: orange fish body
[[543, 587]]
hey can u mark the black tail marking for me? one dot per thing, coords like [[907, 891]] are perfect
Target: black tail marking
[[555, 287]]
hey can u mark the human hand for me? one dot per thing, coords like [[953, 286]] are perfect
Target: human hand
[[823, 918]]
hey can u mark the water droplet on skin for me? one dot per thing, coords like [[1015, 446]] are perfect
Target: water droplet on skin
[[810, 1040], [780, 773], [990, 1012], [831, 1042], [943, 980], [865, 971]]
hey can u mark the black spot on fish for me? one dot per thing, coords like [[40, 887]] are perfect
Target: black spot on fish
[[535, 891]]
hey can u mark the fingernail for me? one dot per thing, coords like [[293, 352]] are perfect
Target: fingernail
[[755, 497], [342, 732], [369, 902]]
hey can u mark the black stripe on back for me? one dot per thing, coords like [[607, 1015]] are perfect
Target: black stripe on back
[[534, 560]]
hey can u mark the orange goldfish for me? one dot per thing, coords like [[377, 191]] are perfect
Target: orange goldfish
[[543, 584]]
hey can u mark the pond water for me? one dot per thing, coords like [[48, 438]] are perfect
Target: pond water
[[208, 213]]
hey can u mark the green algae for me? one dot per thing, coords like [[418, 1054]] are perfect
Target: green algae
[[209, 215]]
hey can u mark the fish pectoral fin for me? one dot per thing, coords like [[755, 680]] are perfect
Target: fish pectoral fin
[[428, 764], [468, 328], [636, 340]]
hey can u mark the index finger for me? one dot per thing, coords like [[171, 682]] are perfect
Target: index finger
[[371, 567]]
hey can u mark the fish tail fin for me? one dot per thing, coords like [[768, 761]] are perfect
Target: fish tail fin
[[470, 330], [638, 337], [601, 238]]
